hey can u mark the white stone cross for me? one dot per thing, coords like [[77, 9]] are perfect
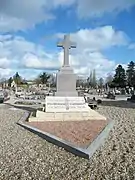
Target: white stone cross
[[66, 44]]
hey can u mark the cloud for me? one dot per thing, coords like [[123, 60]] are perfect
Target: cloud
[[57, 3], [4, 63], [97, 8], [92, 60], [25, 56], [5, 73], [32, 61], [99, 38], [21, 15]]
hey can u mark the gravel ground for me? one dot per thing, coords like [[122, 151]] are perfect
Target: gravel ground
[[25, 156]]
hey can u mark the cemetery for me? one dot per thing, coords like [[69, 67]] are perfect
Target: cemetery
[[66, 132]]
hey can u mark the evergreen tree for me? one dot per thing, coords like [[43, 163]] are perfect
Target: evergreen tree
[[94, 81], [17, 78], [131, 74], [109, 81], [44, 77], [10, 81], [89, 80], [101, 83], [119, 77], [52, 80]]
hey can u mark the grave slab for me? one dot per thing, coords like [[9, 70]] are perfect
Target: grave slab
[[82, 138], [79, 133]]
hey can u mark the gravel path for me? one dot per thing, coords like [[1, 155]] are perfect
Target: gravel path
[[25, 156]]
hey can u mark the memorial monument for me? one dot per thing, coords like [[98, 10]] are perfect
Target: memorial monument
[[66, 98], [66, 105], [66, 79]]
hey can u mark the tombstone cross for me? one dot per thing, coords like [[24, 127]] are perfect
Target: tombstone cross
[[66, 45]]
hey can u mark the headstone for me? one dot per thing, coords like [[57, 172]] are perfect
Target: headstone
[[66, 79], [66, 104]]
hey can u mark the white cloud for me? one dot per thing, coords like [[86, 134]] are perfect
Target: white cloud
[[99, 38], [90, 43], [92, 60], [5, 73], [96, 8], [4, 63], [88, 55], [35, 62], [17, 52], [21, 15]]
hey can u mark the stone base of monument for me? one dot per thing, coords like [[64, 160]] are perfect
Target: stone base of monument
[[81, 138], [69, 93], [66, 109], [66, 116], [66, 82], [80, 133]]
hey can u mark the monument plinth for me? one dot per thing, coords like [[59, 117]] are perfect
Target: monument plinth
[[66, 79]]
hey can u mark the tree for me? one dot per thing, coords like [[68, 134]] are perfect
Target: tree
[[89, 80], [78, 82], [94, 81], [101, 83], [44, 77], [119, 77], [109, 81], [37, 81], [131, 74], [17, 78], [52, 80], [10, 80]]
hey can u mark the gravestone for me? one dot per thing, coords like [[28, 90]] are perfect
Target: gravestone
[[66, 79], [66, 98]]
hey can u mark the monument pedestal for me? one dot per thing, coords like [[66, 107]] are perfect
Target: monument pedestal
[[66, 82], [66, 109]]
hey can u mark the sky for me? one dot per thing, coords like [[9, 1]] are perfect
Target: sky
[[103, 30]]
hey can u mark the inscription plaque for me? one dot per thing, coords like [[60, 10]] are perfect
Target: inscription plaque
[[66, 104]]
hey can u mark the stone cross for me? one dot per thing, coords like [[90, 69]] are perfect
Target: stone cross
[[66, 45]]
